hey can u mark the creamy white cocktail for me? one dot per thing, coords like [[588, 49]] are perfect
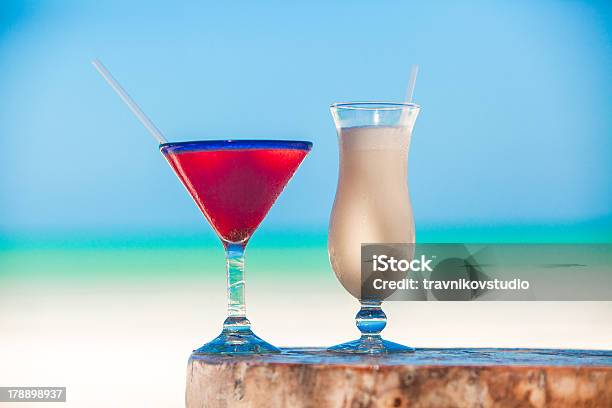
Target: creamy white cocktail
[[372, 204]]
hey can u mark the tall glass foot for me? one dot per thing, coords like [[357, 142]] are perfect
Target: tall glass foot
[[236, 336], [370, 320]]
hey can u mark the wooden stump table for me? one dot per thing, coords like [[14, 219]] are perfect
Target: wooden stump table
[[309, 377]]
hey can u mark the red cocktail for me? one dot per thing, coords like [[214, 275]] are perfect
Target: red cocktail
[[234, 183], [234, 188]]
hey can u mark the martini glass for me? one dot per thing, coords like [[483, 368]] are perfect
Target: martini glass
[[234, 183]]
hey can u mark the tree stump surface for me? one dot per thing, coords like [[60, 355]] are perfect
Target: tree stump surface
[[313, 377]]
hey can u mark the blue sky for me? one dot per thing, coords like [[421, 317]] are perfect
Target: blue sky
[[515, 127]]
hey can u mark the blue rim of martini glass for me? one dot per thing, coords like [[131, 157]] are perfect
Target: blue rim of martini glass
[[200, 145]]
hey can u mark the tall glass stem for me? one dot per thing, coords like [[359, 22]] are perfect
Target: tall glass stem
[[236, 309], [371, 319]]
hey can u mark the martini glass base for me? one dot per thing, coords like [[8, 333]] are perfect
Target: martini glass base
[[237, 342], [370, 345]]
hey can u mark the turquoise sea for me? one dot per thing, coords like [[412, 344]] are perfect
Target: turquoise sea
[[271, 254]]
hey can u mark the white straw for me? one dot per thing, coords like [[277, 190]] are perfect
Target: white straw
[[414, 70], [129, 101]]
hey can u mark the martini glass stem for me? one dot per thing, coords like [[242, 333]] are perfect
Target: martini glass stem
[[236, 310]]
